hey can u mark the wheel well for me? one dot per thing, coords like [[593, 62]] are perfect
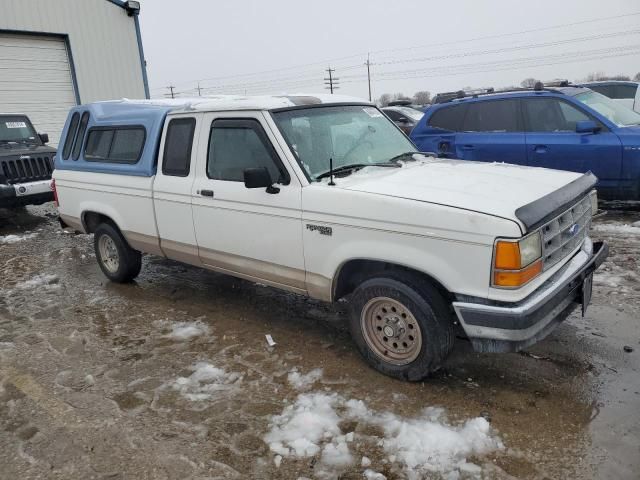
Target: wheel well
[[91, 220], [354, 272]]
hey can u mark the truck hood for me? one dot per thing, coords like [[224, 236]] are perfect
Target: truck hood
[[497, 189]]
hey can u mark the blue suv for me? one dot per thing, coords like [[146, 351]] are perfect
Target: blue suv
[[566, 128]]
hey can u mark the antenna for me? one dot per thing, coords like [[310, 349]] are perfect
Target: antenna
[[331, 182]]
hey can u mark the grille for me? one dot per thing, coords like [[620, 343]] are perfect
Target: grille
[[31, 169], [560, 237]]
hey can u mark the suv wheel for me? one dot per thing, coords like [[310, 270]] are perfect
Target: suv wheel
[[118, 261], [401, 325]]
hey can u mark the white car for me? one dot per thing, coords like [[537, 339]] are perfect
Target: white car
[[324, 196], [623, 92]]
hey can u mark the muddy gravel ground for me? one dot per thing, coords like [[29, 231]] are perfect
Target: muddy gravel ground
[[171, 377]]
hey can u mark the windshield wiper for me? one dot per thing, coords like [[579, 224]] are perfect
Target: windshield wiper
[[354, 166], [404, 156]]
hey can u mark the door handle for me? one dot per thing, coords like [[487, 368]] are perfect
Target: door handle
[[540, 149], [206, 193]]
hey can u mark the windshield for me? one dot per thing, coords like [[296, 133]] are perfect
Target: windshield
[[411, 113], [17, 128], [615, 112], [350, 134]]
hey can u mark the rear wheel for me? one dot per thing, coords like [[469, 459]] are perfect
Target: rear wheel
[[401, 325], [118, 261]]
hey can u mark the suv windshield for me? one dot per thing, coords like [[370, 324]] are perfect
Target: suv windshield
[[17, 128], [350, 134], [615, 112]]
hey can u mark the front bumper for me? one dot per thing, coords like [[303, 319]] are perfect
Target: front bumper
[[512, 327], [31, 193]]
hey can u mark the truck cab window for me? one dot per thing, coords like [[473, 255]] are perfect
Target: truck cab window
[[68, 143], [77, 144], [235, 145], [177, 147], [115, 145]]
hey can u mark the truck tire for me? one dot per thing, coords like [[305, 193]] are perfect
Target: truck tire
[[402, 325], [118, 261]]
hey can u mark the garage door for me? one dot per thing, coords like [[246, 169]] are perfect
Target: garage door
[[35, 79]]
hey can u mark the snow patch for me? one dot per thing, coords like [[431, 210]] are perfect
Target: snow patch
[[17, 238], [634, 228], [42, 280], [301, 381], [182, 331], [420, 446], [373, 475], [205, 382]]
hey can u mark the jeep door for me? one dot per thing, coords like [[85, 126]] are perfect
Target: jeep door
[[552, 141], [492, 132], [249, 232]]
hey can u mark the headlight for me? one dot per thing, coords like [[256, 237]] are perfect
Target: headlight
[[516, 262], [594, 202]]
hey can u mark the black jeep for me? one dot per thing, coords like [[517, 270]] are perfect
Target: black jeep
[[26, 163]]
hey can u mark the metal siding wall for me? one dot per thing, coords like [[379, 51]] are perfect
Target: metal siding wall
[[102, 38], [35, 79]]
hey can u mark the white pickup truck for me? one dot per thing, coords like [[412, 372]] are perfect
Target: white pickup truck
[[324, 196]]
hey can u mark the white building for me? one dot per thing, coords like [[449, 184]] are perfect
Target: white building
[[55, 54]]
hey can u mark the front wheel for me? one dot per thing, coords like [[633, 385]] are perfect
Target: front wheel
[[118, 261], [401, 325]]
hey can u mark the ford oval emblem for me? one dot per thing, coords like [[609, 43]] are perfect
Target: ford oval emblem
[[574, 229]]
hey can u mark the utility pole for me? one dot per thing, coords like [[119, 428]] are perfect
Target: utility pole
[[171, 87], [331, 81], [199, 90], [368, 64]]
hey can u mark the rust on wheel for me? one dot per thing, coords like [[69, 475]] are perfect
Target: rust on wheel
[[391, 331]]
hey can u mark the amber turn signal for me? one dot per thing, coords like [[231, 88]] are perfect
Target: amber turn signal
[[519, 277], [507, 256]]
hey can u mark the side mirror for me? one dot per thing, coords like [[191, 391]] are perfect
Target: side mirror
[[403, 120], [44, 137], [587, 126], [259, 178]]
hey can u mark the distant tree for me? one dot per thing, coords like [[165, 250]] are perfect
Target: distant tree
[[624, 78], [529, 82], [595, 76], [637, 77], [384, 99], [598, 76], [422, 97]]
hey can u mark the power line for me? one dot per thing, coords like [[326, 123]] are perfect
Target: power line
[[474, 39], [514, 48]]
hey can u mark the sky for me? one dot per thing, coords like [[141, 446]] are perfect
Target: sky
[[284, 46]]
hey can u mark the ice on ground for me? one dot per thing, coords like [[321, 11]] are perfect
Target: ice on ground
[[304, 381], [429, 443], [373, 475], [187, 330], [419, 446], [42, 280], [17, 238], [205, 381], [301, 428], [634, 228]]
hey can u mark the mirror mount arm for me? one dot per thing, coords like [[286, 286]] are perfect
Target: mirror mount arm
[[272, 190]]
